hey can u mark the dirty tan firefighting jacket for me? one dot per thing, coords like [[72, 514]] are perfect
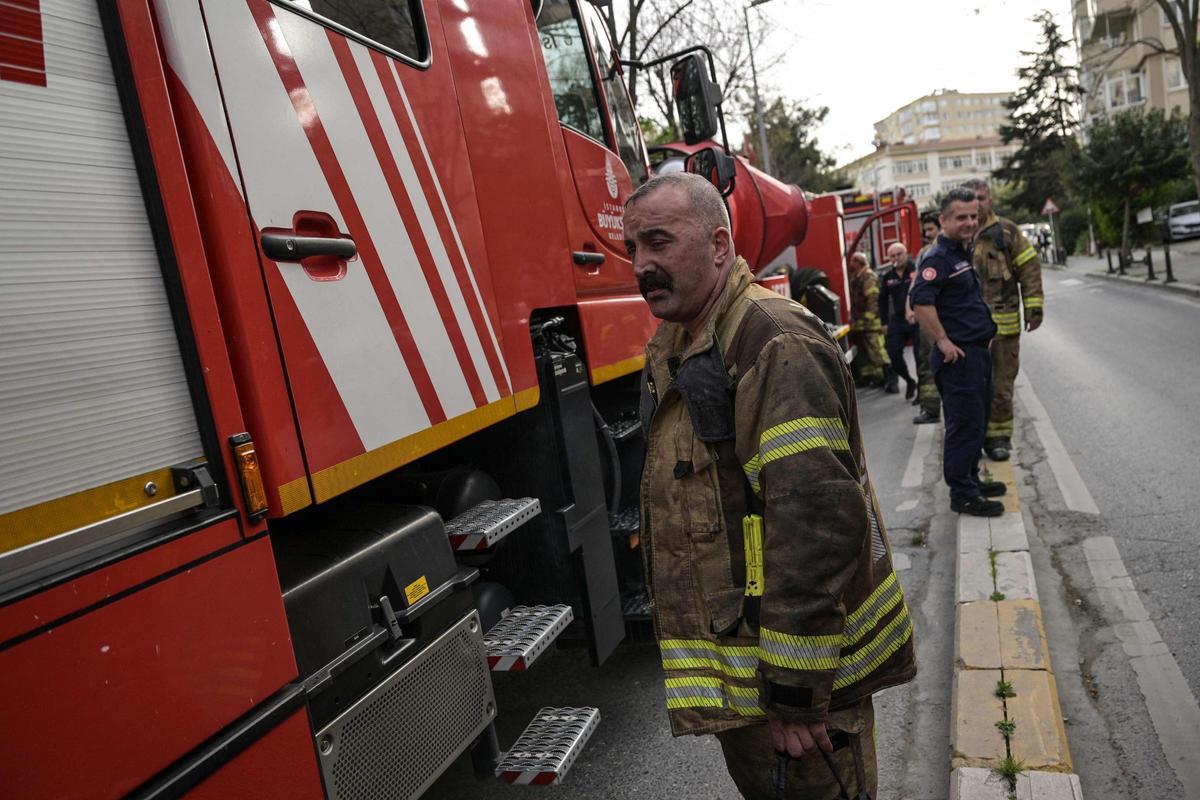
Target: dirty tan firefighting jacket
[[758, 414], [864, 301], [1010, 272]]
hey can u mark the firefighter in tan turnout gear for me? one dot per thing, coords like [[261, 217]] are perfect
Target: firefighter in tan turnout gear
[[776, 608], [866, 331], [1011, 274]]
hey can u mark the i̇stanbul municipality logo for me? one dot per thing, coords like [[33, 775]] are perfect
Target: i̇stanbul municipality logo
[[610, 179]]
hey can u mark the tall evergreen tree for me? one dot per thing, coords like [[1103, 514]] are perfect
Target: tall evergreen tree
[[796, 156], [1042, 121]]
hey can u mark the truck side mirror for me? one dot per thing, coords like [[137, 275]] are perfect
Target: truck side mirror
[[715, 165], [696, 98]]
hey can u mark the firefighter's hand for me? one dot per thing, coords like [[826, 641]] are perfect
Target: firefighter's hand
[[910, 317], [798, 738], [1033, 322], [950, 350]]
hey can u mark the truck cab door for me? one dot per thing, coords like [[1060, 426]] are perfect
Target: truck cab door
[[603, 143], [344, 121]]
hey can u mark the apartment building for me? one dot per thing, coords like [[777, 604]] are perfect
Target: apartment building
[[934, 144], [1118, 70]]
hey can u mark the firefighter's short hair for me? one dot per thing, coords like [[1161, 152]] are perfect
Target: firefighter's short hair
[[702, 196], [960, 195]]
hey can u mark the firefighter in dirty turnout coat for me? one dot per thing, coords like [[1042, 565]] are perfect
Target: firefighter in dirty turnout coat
[[866, 331], [775, 605], [1011, 274]]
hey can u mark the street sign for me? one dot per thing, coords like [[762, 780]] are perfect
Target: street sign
[[1145, 215], [1050, 207]]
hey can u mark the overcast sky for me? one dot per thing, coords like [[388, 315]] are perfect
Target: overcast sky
[[866, 58]]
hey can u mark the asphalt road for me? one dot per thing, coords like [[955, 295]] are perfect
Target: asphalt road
[[633, 755], [1117, 367]]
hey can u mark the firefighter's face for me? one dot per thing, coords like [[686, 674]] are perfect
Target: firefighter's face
[[677, 260], [931, 231], [961, 220], [984, 196]]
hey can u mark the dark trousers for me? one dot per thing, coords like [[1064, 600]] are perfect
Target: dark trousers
[[966, 389], [898, 337]]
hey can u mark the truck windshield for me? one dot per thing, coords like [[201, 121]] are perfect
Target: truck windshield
[[1184, 209], [625, 125], [571, 80]]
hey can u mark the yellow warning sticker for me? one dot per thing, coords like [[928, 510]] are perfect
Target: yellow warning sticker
[[416, 590]]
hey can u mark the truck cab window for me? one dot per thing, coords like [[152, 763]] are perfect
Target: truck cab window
[[625, 125], [571, 80], [397, 25]]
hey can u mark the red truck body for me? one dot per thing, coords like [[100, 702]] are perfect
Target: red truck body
[[372, 251]]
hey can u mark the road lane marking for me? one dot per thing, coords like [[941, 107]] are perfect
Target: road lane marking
[[1173, 709], [922, 447], [1070, 282], [1074, 491], [907, 505]]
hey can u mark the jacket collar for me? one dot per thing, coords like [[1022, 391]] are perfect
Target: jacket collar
[[992, 219], [671, 336]]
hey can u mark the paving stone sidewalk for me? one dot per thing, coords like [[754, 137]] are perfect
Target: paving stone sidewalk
[[1185, 266]]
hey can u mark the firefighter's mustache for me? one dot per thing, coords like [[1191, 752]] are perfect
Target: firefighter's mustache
[[654, 280]]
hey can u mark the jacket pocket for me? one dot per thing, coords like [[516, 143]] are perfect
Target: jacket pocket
[[725, 608], [699, 489]]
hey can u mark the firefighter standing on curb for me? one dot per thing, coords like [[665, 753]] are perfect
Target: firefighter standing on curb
[[1011, 273], [927, 392], [866, 332], [776, 608]]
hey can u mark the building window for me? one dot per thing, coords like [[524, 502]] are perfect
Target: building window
[[918, 189], [948, 185], [1124, 89], [1162, 14], [912, 166], [955, 162], [1174, 72], [931, 134], [983, 160]]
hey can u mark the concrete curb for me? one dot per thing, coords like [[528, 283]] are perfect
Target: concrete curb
[[1178, 287], [999, 638]]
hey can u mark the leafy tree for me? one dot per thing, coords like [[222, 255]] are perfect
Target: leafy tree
[[1128, 159], [796, 156], [1042, 114], [1181, 14]]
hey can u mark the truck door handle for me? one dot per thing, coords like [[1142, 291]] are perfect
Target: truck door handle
[[585, 258], [293, 247]]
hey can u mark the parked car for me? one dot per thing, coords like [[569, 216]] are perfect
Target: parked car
[[1183, 220]]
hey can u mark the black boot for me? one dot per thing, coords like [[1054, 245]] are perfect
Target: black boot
[[910, 390], [925, 418], [891, 383], [978, 507], [997, 449]]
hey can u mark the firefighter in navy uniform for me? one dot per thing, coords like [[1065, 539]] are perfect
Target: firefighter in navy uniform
[[893, 299], [776, 608], [948, 303], [1011, 273]]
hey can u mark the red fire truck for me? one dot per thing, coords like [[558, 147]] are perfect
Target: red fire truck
[[319, 357]]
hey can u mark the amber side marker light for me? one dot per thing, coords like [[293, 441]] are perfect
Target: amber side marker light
[[253, 491]]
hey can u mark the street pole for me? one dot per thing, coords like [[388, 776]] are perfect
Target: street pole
[[758, 110]]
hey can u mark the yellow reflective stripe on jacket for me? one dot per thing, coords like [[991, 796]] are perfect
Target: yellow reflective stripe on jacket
[[695, 693], [735, 661], [867, 659], [885, 597], [1000, 317], [1025, 256], [712, 693], [1034, 302], [796, 436], [744, 700], [799, 652], [871, 291]]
